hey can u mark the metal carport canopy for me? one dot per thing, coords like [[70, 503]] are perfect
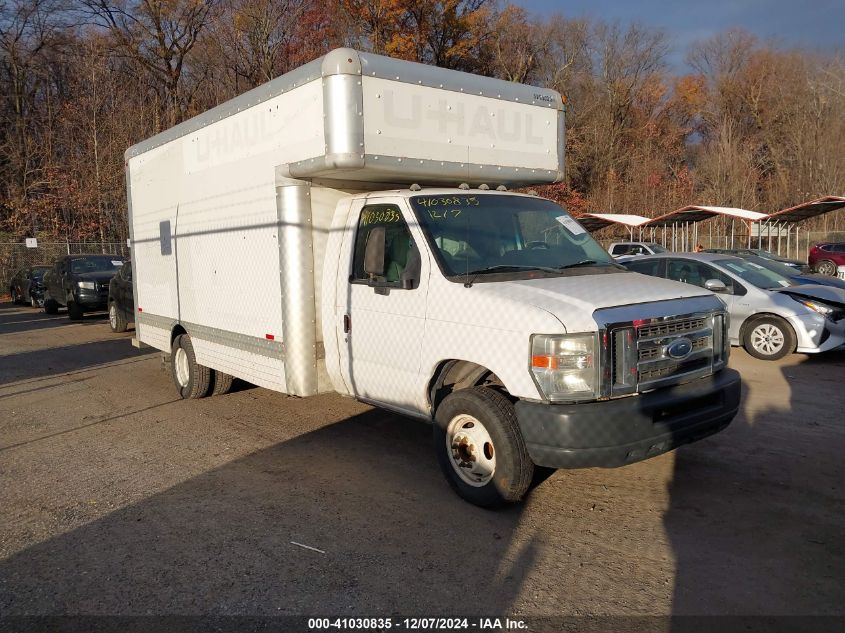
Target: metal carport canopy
[[807, 210], [595, 221], [696, 213]]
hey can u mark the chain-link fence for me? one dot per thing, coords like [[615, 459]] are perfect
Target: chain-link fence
[[16, 255]]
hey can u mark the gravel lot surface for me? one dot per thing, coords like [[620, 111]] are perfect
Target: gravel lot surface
[[116, 497]]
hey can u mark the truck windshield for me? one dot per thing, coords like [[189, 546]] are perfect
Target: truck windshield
[[486, 234]]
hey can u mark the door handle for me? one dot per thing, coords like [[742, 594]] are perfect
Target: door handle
[[347, 324]]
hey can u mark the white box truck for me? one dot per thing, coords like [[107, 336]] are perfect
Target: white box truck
[[346, 227]]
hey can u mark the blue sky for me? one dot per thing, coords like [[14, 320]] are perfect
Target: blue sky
[[809, 24]]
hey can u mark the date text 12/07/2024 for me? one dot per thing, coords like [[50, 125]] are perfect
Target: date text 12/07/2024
[[416, 624]]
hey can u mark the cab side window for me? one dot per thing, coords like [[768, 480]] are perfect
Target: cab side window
[[698, 274], [648, 267], [401, 256]]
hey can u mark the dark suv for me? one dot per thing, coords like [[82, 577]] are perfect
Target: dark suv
[[80, 282], [825, 257]]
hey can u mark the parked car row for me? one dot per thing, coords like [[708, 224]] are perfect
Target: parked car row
[[772, 314], [824, 258], [27, 286], [80, 283]]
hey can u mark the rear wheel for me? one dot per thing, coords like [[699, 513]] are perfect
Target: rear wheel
[[826, 267], [480, 448], [116, 320], [74, 312], [192, 379], [769, 338], [50, 306], [221, 383]]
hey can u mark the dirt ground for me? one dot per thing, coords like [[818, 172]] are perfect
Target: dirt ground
[[116, 497]]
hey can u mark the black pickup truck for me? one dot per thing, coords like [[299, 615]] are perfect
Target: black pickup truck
[[80, 283]]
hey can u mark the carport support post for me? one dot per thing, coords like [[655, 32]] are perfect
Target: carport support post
[[788, 235], [732, 234]]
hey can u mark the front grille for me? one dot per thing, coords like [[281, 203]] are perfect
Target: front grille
[[656, 355], [671, 327]]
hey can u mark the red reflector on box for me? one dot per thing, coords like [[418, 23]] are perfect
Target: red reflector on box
[[140, 309], [270, 337]]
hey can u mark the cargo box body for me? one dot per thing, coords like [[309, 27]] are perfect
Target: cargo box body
[[230, 211]]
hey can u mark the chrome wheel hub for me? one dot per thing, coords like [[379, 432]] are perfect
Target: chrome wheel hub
[[767, 339], [470, 450], [183, 370]]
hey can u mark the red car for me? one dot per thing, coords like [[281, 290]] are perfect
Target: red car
[[825, 257]]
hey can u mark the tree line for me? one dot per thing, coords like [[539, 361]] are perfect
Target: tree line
[[751, 125]]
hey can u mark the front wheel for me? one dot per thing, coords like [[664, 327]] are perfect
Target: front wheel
[[826, 267], [116, 321], [769, 338], [192, 379], [74, 311], [480, 448]]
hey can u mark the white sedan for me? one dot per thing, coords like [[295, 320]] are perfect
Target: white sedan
[[771, 316]]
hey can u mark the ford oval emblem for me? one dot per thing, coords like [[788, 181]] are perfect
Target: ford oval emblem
[[679, 349]]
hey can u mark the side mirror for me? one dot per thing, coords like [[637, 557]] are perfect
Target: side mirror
[[715, 285], [374, 252]]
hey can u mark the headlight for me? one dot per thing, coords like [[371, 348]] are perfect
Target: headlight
[[564, 366], [87, 285], [816, 306]]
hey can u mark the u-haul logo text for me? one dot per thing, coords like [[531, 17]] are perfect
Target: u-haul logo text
[[506, 122]]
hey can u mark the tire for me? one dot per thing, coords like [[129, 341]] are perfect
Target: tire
[[74, 312], [192, 380], [769, 338], [50, 306], [116, 321], [826, 267], [221, 383], [482, 422]]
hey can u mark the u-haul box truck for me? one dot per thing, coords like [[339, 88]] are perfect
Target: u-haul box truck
[[346, 227]]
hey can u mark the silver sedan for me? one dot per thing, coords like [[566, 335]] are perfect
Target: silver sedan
[[771, 316]]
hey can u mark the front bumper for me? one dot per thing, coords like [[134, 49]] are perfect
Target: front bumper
[[614, 433], [92, 299], [816, 333]]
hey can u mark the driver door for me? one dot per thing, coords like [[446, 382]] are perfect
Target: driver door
[[381, 317]]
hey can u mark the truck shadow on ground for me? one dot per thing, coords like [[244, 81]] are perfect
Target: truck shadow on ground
[[365, 491], [755, 512], [14, 319], [69, 358]]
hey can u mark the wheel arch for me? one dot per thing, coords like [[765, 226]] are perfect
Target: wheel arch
[[455, 374], [177, 330]]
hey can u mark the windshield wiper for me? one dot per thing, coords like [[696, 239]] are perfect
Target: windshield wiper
[[583, 262], [503, 268]]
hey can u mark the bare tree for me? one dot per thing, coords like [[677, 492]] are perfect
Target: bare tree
[[159, 35]]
